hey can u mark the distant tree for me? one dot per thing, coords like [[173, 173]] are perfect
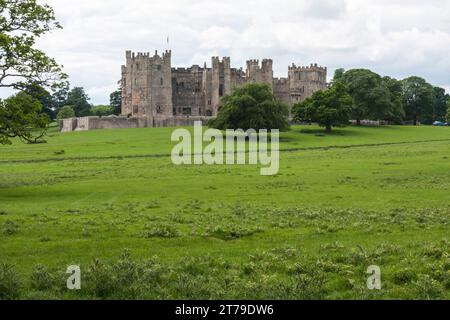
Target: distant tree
[[439, 104], [418, 99], [251, 106], [447, 117], [21, 22], [395, 113], [21, 117], [101, 111], [115, 100], [48, 102], [78, 99], [371, 98], [329, 108], [338, 74], [65, 112]]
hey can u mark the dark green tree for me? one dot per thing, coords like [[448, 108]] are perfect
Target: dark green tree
[[329, 108], [418, 99], [78, 99], [395, 113], [338, 74], [115, 101], [252, 106], [47, 100], [21, 22], [21, 116], [440, 104]]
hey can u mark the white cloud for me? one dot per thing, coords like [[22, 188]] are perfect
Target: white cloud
[[392, 37]]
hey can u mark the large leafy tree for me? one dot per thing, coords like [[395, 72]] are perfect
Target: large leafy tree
[[371, 97], [440, 102], [79, 100], [21, 22], [25, 68], [20, 116], [395, 112], [418, 99], [329, 108], [252, 106]]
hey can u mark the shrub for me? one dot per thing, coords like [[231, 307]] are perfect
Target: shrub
[[10, 228], [160, 231], [41, 279], [10, 284], [65, 112]]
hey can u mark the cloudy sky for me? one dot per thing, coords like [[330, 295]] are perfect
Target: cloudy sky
[[392, 37]]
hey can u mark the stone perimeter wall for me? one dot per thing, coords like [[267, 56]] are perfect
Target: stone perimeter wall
[[97, 123]]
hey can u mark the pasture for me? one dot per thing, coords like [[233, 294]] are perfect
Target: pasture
[[113, 203]]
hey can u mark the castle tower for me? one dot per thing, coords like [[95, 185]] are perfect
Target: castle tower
[[304, 81], [260, 74], [147, 85], [220, 81]]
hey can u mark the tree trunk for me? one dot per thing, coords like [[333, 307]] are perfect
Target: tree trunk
[[358, 122], [328, 128], [415, 120]]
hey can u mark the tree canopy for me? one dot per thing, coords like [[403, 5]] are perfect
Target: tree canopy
[[418, 99], [329, 108], [252, 106], [78, 99], [20, 117], [21, 22]]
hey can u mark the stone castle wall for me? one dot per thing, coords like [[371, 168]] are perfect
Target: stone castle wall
[[154, 94]]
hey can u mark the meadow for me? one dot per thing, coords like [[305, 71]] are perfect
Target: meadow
[[140, 227]]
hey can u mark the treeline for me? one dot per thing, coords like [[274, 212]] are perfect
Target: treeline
[[67, 103], [361, 94]]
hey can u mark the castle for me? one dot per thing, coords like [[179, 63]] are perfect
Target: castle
[[154, 94]]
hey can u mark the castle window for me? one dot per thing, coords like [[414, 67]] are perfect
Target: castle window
[[209, 102], [159, 68], [159, 109], [135, 109], [162, 81], [135, 81], [221, 90], [187, 111]]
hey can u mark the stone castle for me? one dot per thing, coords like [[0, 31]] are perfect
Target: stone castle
[[154, 94]]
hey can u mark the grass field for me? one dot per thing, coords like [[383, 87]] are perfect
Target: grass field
[[113, 203]]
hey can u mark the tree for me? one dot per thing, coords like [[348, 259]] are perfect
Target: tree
[[447, 117], [21, 22], [395, 113], [252, 106], [115, 100], [338, 74], [65, 112], [20, 116], [440, 104], [79, 100], [418, 99], [329, 108], [44, 97], [371, 98], [101, 111]]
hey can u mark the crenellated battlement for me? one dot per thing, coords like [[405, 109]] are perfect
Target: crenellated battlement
[[312, 67]]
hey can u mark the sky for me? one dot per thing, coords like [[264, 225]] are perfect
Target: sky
[[399, 38]]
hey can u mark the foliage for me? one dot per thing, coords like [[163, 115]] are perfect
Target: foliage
[[440, 103], [115, 100], [252, 106], [417, 100], [47, 100], [329, 108], [20, 116], [447, 117], [372, 97], [66, 112], [10, 284], [21, 22], [78, 99], [101, 110]]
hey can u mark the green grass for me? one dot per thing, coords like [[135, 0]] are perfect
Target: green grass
[[341, 202]]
